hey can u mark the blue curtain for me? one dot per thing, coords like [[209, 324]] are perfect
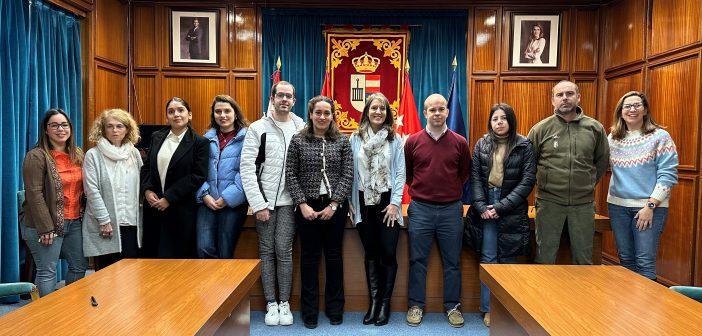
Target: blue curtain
[[296, 36], [40, 67]]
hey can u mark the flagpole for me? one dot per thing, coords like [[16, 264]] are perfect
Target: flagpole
[[454, 64]]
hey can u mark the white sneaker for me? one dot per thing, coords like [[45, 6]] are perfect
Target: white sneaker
[[272, 317], [286, 317]]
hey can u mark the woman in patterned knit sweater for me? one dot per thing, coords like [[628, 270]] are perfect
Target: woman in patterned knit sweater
[[319, 173], [644, 169]]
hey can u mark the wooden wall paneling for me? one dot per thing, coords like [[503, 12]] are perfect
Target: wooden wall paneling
[[674, 24], [675, 254], [244, 91], [197, 89], [111, 30], [588, 95], [110, 88], [145, 102], [609, 247], [81, 8], [144, 37], [243, 43], [675, 102], [585, 41], [483, 95], [486, 40], [615, 88], [624, 26], [530, 98]]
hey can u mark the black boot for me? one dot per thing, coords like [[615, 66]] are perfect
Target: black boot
[[384, 313], [388, 285], [373, 282]]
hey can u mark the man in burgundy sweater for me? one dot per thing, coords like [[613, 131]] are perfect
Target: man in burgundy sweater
[[438, 164]]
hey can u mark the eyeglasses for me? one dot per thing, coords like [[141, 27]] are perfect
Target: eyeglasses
[[632, 106], [281, 95], [55, 126]]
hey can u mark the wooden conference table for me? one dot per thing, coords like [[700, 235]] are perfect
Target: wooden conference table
[[584, 300], [145, 297]]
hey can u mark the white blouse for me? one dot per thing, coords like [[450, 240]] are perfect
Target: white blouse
[[163, 159], [124, 189]]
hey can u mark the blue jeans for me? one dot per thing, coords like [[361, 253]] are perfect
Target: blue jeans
[[218, 231], [69, 247], [488, 251], [637, 249], [446, 223]]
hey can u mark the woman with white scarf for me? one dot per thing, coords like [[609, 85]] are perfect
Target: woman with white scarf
[[112, 220], [376, 201]]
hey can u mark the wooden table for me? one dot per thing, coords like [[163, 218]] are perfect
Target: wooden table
[[145, 297], [584, 300]]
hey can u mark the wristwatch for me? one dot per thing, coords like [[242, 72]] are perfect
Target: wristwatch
[[333, 206], [651, 205]]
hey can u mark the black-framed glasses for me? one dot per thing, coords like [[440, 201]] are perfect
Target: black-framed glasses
[[634, 106], [56, 126]]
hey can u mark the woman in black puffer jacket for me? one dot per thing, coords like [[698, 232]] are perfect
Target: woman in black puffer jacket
[[504, 172]]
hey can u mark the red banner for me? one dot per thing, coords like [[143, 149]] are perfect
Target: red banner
[[361, 63]]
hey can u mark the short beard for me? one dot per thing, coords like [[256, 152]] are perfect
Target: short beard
[[562, 112]]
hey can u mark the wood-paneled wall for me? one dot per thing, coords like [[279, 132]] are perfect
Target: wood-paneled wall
[[650, 45], [105, 45], [527, 90], [155, 80], [655, 46]]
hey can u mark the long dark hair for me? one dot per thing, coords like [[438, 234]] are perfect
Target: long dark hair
[[332, 132], [511, 122], [74, 152], [388, 124], [619, 128], [239, 121]]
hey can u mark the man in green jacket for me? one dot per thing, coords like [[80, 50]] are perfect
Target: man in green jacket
[[572, 154]]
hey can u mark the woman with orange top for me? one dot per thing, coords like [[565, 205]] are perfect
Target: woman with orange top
[[53, 181]]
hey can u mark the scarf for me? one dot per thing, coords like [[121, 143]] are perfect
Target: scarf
[[376, 164], [120, 155]]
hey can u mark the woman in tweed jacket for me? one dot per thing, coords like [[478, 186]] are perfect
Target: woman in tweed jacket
[[319, 174]]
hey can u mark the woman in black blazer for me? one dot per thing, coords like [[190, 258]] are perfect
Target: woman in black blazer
[[175, 167]]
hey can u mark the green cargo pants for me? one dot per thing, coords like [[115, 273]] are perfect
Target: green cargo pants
[[550, 218]]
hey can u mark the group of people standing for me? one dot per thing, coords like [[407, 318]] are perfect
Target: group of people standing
[[307, 177]]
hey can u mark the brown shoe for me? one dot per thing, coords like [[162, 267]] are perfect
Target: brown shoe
[[455, 317], [414, 316], [486, 320]]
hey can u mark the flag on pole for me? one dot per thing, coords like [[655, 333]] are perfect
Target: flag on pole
[[275, 78], [455, 121], [326, 86], [407, 121]]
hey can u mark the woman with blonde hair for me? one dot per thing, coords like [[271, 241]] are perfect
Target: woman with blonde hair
[[53, 204], [112, 221]]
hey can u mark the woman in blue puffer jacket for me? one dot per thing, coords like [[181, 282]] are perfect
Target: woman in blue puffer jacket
[[223, 211]]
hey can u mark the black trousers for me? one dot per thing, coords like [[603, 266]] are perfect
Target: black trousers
[[130, 248], [379, 243], [317, 236]]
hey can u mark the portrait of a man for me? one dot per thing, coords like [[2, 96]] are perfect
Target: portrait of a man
[[194, 37], [194, 45]]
